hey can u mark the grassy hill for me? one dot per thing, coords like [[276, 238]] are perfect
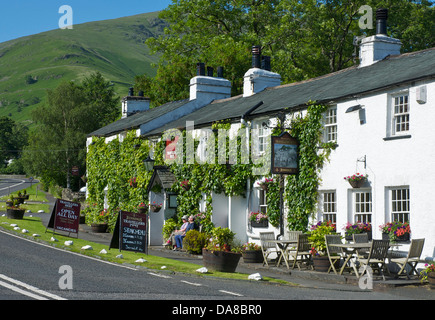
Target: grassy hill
[[31, 65]]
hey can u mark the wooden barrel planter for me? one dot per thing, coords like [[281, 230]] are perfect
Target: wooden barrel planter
[[17, 214], [321, 263], [222, 261], [431, 279], [252, 256]]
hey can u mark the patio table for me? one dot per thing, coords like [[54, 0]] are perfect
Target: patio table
[[283, 245], [355, 247]]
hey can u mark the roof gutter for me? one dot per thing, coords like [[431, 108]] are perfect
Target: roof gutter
[[247, 113]]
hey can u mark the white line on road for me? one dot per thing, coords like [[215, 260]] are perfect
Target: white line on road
[[191, 283], [232, 293], [15, 185], [41, 294], [159, 275]]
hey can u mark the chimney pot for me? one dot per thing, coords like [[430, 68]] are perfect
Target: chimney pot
[[265, 63], [381, 21], [130, 92], [210, 71], [220, 72], [200, 69], [256, 56]]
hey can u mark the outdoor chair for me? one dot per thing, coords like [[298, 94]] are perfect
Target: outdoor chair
[[361, 238], [376, 258], [268, 247], [334, 253], [412, 259], [301, 253]]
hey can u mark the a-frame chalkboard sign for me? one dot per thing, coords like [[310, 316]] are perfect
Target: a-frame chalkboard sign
[[131, 232]]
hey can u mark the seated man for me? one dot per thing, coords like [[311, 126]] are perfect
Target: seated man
[[179, 237]]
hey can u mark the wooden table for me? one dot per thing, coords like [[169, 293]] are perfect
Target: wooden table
[[283, 245]]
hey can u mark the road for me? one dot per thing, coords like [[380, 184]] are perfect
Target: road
[[31, 270], [12, 185]]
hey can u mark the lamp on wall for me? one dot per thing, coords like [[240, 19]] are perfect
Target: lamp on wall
[[149, 163]]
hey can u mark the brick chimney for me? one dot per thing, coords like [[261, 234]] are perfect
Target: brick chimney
[[379, 46], [259, 77], [133, 104]]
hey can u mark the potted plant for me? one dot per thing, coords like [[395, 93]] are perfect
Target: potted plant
[[217, 255], [133, 182], [142, 208], [185, 184], [428, 274], [359, 227], [317, 239], [258, 219], [14, 211], [395, 231], [97, 218], [265, 183], [251, 253], [155, 207], [356, 180]]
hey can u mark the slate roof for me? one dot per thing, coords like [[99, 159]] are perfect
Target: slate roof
[[347, 83], [166, 177], [136, 120]]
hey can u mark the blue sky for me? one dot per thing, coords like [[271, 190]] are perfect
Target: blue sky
[[20, 18]]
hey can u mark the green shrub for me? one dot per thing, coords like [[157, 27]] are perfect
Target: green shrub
[[194, 241]]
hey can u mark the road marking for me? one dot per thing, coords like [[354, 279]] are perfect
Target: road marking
[[15, 185], [38, 293], [232, 293], [159, 275], [191, 283]]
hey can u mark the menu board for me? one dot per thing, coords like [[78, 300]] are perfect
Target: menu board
[[130, 232], [65, 216]]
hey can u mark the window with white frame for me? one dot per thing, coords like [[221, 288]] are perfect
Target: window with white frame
[[400, 200], [262, 136], [328, 206], [330, 127], [400, 114], [262, 201], [362, 206]]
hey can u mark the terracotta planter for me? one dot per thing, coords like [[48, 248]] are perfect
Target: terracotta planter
[[99, 227], [431, 279], [17, 214], [222, 261], [252, 256]]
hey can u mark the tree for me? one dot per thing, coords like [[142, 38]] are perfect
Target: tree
[[13, 137], [305, 39], [59, 141]]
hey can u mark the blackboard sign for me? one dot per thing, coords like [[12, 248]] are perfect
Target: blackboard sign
[[65, 216], [130, 233]]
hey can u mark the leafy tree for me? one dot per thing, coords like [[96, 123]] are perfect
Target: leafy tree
[[59, 141], [13, 137], [305, 39]]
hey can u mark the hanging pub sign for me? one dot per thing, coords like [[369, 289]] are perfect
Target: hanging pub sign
[[130, 233], [284, 154], [65, 216]]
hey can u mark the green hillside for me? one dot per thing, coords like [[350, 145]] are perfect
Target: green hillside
[[31, 65]]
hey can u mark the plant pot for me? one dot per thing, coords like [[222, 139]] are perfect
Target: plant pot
[[155, 208], [142, 210], [17, 214], [403, 238], [252, 256], [222, 261], [20, 200], [9, 203], [431, 279], [350, 237], [82, 219], [99, 227], [263, 186], [357, 183], [321, 263], [261, 224]]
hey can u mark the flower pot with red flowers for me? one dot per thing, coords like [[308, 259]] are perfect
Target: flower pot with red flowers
[[356, 180], [258, 220], [185, 185], [251, 253], [155, 207], [142, 208], [428, 274], [396, 231], [357, 228], [264, 184]]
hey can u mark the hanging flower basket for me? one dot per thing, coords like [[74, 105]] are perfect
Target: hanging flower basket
[[357, 180], [185, 185], [155, 207], [133, 182]]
